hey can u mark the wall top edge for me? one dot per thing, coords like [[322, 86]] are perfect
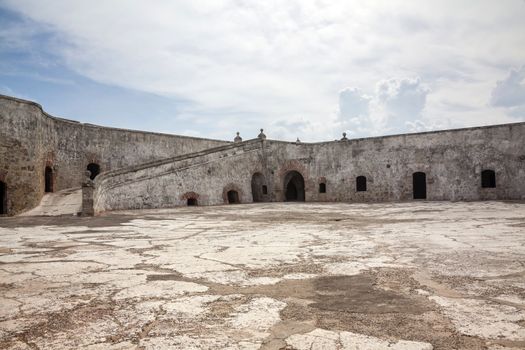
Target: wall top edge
[[112, 173], [415, 134], [64, 120]]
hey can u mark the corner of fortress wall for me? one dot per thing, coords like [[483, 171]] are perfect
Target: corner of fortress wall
[[31, 140]]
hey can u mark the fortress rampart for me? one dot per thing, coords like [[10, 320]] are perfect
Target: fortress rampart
[[151, 170], [32, 140], [452, 163]]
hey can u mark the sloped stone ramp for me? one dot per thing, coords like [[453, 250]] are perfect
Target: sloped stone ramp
[[65, 202]]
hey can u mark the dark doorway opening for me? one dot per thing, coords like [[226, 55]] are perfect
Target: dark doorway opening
[[192, 202], [3, 198], [94, 169], [294, 187], [233, 197], [259, 188], [322, 187], [360, 184], [419, 185], [488, 179], [48, 179]]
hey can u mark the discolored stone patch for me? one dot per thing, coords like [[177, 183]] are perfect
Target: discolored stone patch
[[358, 294]]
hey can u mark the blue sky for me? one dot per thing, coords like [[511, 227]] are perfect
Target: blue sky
[[309, 69]]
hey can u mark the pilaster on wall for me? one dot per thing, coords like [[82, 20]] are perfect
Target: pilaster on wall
[[267, 172]]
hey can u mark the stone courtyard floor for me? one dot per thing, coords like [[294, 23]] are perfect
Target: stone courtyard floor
[[420, 275]]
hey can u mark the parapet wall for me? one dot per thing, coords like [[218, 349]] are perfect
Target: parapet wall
[[452, 162], [30, 140]]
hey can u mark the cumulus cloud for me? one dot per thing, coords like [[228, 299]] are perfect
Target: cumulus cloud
[[282, 63], [353, 103], [510, 92], [395, 107]]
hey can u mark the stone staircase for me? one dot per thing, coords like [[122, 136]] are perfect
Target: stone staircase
[[144, 185], [141, 172]]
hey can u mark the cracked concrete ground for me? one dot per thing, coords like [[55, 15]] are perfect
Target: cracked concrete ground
[[420, 275]]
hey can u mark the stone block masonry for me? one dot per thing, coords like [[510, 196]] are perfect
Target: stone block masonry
[[137, 169], [32, 140]]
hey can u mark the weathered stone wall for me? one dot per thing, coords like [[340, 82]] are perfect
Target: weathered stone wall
[[30, 140], [24, 151], [206, 176], [452, 161]]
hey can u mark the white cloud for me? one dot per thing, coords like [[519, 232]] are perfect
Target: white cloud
[[395, 107], [283, 63], [353, 103], [510, 92]]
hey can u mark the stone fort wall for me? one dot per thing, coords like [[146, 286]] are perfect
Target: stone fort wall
[[451, 160], [151, 170], [31, 139]]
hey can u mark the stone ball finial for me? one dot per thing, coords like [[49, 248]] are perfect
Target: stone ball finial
[[344, 136], [237, 138], [262, 135]]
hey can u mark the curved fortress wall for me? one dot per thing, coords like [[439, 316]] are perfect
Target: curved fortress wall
[[31, 140], [448, 166]]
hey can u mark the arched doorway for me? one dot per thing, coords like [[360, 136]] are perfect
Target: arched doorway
[[3, 198], [48, 174], [419, 185], [294, 187], [192, 202], [360, 184], [259, 188], [94, 169], [488, 178], [233, 197]]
